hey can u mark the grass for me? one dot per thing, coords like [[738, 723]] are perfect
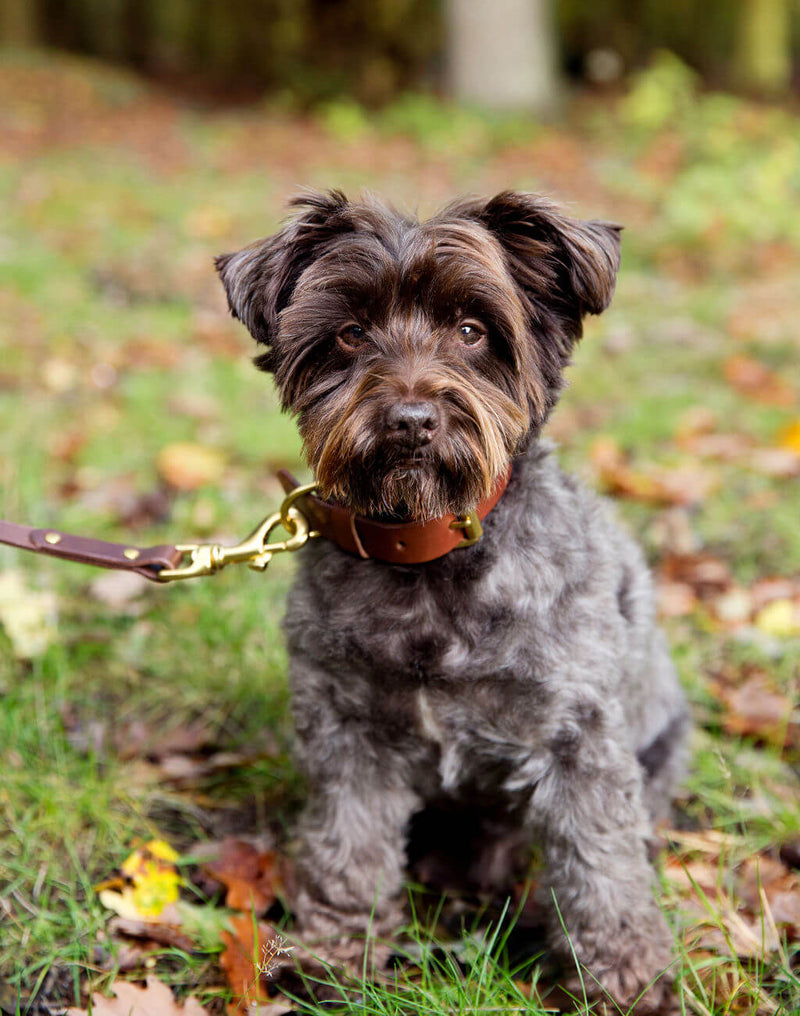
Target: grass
[[113, 206]]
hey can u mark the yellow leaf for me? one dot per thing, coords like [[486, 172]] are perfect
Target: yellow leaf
[[28, 616], [163, 851], [121, 903], [781, 618], [155, 891], [790, 438], [155, 883]]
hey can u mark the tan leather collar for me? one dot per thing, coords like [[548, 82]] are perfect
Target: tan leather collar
[[395, 542]]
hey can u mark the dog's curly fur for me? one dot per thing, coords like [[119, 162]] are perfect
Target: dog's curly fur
[[523, 676]]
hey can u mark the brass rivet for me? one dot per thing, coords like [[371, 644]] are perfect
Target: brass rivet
[[131, 553], [52, 538]]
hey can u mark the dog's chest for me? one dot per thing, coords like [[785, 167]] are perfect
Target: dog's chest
[[416, 632], [440, 666]]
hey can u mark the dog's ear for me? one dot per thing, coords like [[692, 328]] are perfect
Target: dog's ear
[[260, 280], [559, 261]]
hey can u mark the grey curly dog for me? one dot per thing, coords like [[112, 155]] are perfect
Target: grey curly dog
[[521, 677]]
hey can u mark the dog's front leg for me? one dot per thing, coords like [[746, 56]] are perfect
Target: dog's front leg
[[350, 857], [598, 887]]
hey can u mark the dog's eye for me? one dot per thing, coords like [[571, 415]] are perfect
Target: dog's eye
[[471, 333], [351, 337]]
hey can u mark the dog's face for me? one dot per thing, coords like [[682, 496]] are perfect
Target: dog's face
[[419, 357]]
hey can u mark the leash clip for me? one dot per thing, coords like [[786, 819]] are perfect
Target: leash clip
[[255, 550]]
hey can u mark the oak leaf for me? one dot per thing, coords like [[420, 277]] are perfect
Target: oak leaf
[[250, 875], [155, 999]]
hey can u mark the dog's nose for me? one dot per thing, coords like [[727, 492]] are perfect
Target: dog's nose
[[413, 422]]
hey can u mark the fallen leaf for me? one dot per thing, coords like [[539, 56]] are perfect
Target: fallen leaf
[[250, 875], [756, 709], [751, 378], [66, 445], [157, 934], [766, 880], [155, 999], [118, 498], [780, 618], [119, 590], [767, 590], [695, 421], [723, 447], [152, 883], [778, 462], [789, 438], [707, 575], [734, 606], [187, 465], [137, 740], [679, 485], [675, 599], [250, 951], [28, 616]]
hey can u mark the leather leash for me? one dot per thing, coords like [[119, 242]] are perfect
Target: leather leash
[[147, 561], [303, 515]]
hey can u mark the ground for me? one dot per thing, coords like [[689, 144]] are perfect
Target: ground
[[130, 410]]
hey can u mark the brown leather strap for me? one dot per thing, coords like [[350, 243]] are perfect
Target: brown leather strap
[[396, 542], [146, 561]]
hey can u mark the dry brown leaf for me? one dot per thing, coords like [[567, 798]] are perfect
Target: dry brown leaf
[[187, 465], [155, 999], [766, 881], [247, 949], [751, 378], [767, 590], [66, 445], [757, 709], [675, 599], [777, 462], [695, 421], [250, 875], [707, 575], [156, 935], [135, 739], [723, 447], [679, 485]]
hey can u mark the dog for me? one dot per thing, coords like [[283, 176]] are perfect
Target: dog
[[521, 676]]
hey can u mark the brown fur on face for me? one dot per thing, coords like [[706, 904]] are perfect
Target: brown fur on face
[[514, 264]]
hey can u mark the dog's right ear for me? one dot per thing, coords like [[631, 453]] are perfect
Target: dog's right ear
[[260, 280]]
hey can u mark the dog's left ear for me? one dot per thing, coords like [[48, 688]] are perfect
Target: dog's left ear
[[559, 261], [260, 280]]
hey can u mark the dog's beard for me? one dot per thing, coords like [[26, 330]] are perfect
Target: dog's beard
[[357, 466]]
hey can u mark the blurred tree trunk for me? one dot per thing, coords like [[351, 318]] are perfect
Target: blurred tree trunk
[[502, 55], [18, 22], [764, 54]]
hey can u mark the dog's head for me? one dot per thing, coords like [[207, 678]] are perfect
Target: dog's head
[[419, 357]]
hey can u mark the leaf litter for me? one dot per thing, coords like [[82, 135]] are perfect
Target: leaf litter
[[154, 999]]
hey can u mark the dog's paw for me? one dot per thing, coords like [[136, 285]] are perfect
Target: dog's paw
[[639, 981]]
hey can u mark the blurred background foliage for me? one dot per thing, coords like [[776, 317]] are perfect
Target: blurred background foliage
[[376, 49]]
